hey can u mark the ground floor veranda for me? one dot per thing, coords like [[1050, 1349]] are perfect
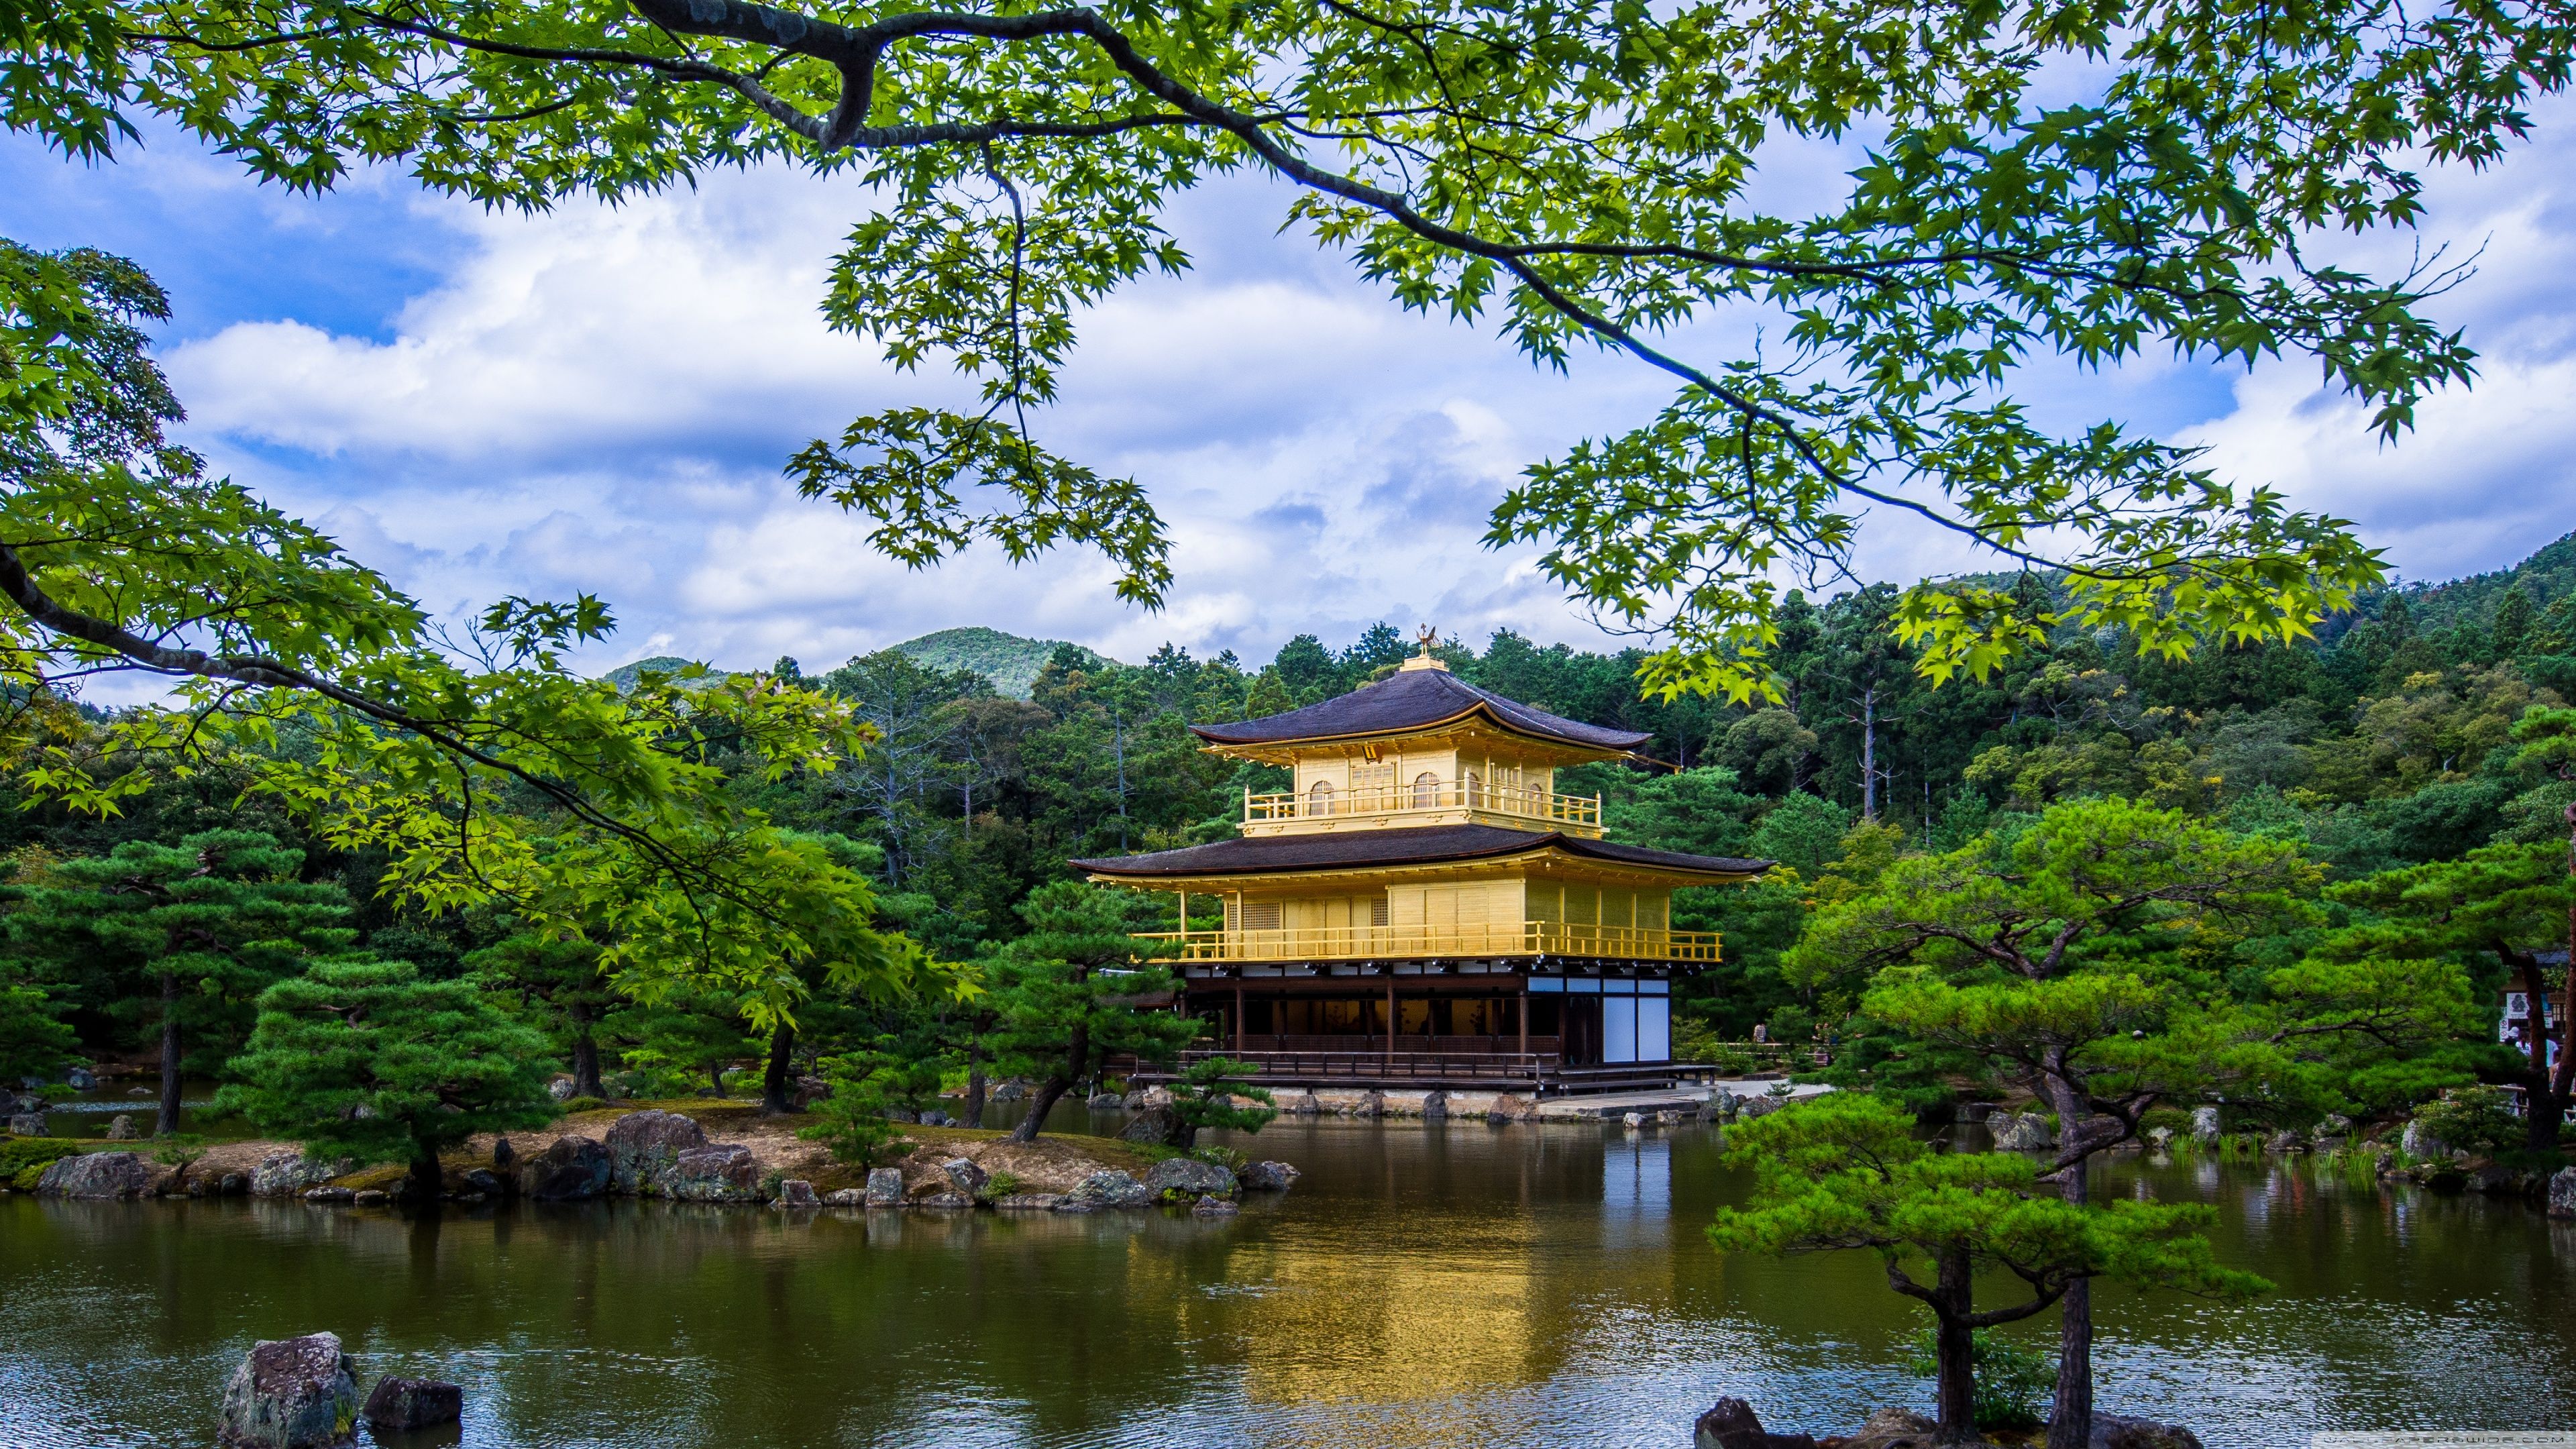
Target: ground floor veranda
[[1542, 1024]]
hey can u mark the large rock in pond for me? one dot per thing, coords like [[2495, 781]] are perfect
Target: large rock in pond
[[288, 1174], [574, 1169], [1892, 1429], [1731, 1424], [796, 1192], [885, 1188], [1109, 1189], [2420, 1144], [964, 1176], [1180, 1179], [719, 1172], [290, 1393], [1154, 1126], [1267, 1177], [643, 1145], [96, 1175], [28, 1124], [403, 1405], [120, 1128], [2024, 1132], [2204, 1124], [2116, 1431], [2562, 1193]]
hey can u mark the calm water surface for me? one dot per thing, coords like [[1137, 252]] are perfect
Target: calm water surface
[[1457, 1285]]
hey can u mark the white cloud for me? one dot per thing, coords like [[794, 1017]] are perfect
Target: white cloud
[[600, 399]]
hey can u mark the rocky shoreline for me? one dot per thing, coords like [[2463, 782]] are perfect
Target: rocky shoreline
[[652, 1153]]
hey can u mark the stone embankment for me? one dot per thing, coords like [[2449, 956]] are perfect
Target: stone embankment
[[653, 1153]]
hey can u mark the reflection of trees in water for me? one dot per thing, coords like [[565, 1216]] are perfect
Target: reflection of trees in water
[[1420, 1286]]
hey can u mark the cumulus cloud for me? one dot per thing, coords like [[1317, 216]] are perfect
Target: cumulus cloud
[[600, 399]]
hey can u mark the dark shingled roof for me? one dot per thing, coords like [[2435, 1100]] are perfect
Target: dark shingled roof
[[1418, 845], [1411, 699]]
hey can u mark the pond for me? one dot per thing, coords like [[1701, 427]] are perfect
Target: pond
[[1424, 1285]]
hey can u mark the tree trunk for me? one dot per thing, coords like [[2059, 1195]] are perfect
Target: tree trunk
[[1041, 1102], [971, 1111], [585, 1056], [775, 1079], [715, 1074], [1869, 754], [426, 1180], [1077, 1055], [2070, 1421], [2539, 1125], [167, 1121], [1954, 1350]]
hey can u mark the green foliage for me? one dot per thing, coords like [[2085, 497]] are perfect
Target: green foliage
[[1567, 174], [1204, 1096], [1001, 1185], [1080, 987], [2012, 1381], [184, 936], [1009, 663], [33, 1041], [28, 1157], [368, 1060], [2475, 1118], [483, 773], [899, 1071], [1845, 1171]]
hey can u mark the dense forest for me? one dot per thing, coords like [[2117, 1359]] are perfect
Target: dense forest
[[2384, 745]]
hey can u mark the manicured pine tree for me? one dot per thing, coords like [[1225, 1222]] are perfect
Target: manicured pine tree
[[188, 932], [1079, 989], [1205, 1096], [1846, 1171], [2501, 905], [560, 977], [2027, 951], [33, 1042], [369, 1060]]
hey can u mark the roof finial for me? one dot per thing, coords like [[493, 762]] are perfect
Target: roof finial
[[1428, 636]]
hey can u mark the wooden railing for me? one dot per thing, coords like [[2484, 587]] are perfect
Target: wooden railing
[[1356, 1064], [1428, 796], [1370, 943]]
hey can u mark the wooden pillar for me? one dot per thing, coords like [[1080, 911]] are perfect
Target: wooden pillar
[[1390, 1021], [1238, 1014], [1524, 1016]]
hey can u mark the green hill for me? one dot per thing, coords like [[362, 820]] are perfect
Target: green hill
[[1010, 662], [625, 675], [2547, 576]]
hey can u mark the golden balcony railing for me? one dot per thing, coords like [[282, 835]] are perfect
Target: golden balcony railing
[[1426, 796], [1368, 943]]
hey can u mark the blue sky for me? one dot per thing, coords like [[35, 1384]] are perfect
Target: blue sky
[[489, 404]]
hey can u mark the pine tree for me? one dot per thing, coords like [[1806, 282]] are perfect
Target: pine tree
[[189, 934], [562, 979], [1846, 1171], [1079, 989], [367, 1059]]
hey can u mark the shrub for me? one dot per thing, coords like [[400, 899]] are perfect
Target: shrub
[[2474, 1118], [584, 1104], [1002, 1185], [2011, 1379], [18, 1154]]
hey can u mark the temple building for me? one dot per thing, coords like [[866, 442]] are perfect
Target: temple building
[[1424, 907]]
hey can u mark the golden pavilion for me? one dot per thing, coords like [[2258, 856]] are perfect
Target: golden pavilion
[[1425, 907]]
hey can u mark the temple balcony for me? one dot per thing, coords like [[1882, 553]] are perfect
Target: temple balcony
[[1379, 943], [1423, 801]]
